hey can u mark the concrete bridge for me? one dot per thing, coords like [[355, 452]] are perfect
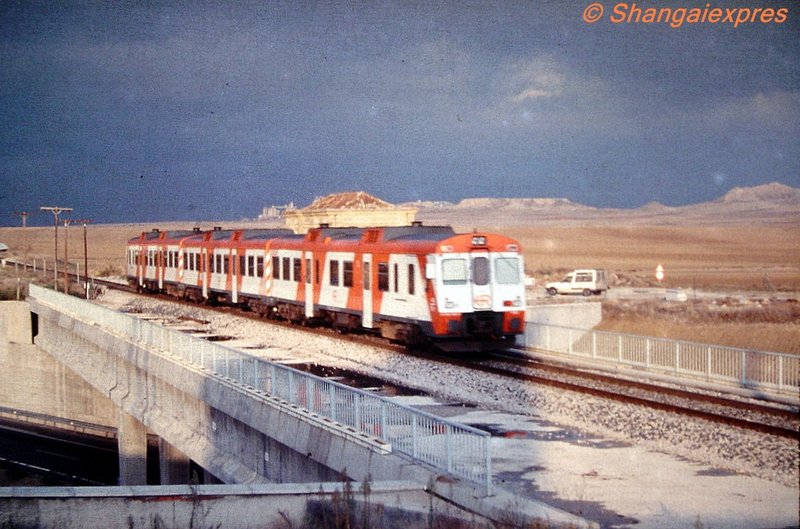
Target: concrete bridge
[[242, 419]]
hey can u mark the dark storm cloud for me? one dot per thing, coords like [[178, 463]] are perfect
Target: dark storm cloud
[[204, 111]]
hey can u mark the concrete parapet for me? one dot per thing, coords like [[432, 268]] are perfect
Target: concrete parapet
[[202, 506], [574, 315]]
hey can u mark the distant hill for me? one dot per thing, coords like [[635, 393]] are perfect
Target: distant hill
[[773, 204], [774, 192]]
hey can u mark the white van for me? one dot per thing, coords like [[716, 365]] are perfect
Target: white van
[[586, 282]]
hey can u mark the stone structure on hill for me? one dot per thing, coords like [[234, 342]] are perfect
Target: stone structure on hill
[[356, 208]]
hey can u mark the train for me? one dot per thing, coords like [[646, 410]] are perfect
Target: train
[[413, 284]]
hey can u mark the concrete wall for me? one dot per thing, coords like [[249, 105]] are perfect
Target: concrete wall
[[579, 315], [32, 380], [205, 506]]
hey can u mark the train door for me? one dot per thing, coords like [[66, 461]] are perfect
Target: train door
[[481, 280], [204, 270], [309, 284], [366, 293], [234, 273]]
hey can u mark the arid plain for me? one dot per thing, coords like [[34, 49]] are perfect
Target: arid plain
[[745, 247]]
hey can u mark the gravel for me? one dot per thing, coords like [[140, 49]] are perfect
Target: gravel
[[723, 447]]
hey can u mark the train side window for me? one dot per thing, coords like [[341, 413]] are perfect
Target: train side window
[[308, 270], [287, 269], [260, 266], [396, 278], [242, 265], [296, 264], [334, 272], [316, 271], [276, 267], [367, 275], [383, 277], [347, 274], [411, 279]]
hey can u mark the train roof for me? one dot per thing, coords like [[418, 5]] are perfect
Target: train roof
[[265, 234], [415, 232]]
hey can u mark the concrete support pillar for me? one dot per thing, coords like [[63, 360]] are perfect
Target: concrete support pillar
[[173, 464], [132, 439]]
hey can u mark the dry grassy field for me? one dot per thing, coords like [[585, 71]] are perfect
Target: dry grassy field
[[754, 262]]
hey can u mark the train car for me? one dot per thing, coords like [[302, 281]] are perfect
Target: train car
[[228, 266], [411, 284], [152, 258]]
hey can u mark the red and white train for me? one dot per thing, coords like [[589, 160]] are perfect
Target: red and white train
[[412, 284]]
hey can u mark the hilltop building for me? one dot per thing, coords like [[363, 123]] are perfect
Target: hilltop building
[[356, 208]]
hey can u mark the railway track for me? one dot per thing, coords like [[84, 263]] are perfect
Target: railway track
[[781, 421], [775, 420]]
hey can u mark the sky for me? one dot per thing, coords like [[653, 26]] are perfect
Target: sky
[[144, 111]]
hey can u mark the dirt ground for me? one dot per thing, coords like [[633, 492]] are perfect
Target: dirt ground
[[761, 262]]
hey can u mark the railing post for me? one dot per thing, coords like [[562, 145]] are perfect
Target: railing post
[[594, 344], [414, 453], [708, 363], [677, 357], [309, 394], [780, 373], [569, 339], [357, 411], [744, 368], [648, 345], [384, 421], [487, 458], [448, 432], [332, 397], [619, 349]]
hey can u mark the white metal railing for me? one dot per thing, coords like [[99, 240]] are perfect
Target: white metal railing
[[765, 371], [458, 449]]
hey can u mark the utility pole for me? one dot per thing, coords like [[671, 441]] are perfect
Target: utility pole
[[66, 256], [67, 222], [24, 216], [86, 257], [56, 210]]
